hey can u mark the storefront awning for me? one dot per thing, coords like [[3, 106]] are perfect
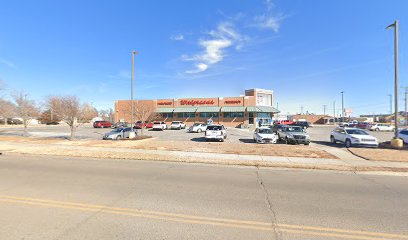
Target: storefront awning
[[164, 110], [233, 109], [252, 109], [208, 109], [185, 109], [267, 109]]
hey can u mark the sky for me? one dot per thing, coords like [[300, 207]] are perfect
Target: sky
[[306, 51]]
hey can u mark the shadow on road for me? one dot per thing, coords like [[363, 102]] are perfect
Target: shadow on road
[[246, 140], [198, 139]]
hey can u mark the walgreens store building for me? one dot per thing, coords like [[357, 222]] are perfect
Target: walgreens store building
[[249, 110]]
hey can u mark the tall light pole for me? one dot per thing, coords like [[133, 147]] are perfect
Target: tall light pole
[[342, 106], [395, 26], [334, 112], [131, 94], [390, 95]]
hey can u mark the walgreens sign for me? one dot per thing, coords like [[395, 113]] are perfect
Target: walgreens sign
[[196, 102]]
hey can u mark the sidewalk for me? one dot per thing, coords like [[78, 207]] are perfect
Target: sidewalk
[[343, 164]]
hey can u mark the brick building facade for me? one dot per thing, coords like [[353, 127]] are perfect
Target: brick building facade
[[248, 110]]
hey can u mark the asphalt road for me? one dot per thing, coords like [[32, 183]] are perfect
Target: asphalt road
[[61, 198]]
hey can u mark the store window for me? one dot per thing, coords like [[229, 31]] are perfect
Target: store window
[[209, 115], [233, 115], [264, 115], [166, 115], [186, 115]]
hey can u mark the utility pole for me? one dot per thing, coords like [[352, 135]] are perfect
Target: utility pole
[[131, 94], [301, 109], [395, 26], [390, 95], [406, 106], [324, 109]]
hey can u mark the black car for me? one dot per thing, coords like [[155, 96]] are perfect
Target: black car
[[276, 127], [303, 124]]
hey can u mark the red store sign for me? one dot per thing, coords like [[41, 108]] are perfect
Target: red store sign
[[196, 102], [164, 103], [232, 101]]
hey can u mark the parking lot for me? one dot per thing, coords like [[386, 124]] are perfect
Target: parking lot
[[318, 134]]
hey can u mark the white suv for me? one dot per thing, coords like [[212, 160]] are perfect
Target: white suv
[[217, 132], [352, 137], [159, 126], [177, 125]]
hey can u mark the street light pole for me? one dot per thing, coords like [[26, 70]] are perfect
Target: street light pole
[[395, 26], [342, 106], [132, 87]]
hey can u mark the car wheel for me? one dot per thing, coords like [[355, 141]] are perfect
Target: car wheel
[[332, 140], [307, 144], [222, 139], [377, 129], [118, 137], [348, 143], [199, 130], [286, 140]]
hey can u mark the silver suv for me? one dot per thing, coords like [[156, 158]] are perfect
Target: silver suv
[[294, 135]]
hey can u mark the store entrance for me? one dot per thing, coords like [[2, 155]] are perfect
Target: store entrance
[[264, 119]]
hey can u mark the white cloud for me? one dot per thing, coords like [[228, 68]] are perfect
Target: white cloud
[[268, 22], [7, 63], [200, 67], [223, 37], [177, 37]]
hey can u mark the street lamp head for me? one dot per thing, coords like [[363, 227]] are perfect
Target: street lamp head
[[135, 52], [392, 25]]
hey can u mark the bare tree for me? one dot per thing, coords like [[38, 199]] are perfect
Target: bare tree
[[69, 109], [106, 114], [25, 109], [7, 109], [144, 111]]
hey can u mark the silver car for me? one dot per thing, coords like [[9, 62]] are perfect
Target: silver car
[[118, 133], [198, 127], [294, 135]]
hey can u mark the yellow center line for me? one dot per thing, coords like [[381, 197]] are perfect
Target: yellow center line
[[263, 226]]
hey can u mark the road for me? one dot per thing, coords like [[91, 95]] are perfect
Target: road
[[66, 198]]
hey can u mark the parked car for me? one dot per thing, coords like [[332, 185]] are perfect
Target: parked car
[[303, 124], [14, 121], [403, 134], [118, 133], [216, 132], [198, 127], [139, 124], [159, 126], [102, 124], [352, 137], [286, 122], [294, 135], [363, 125], [265, 135], [177, 125], [120, 125], [276, 127], [381, 127]]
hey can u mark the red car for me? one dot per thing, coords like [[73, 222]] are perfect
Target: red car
[[102, 124], [286, 122], [138, 125]]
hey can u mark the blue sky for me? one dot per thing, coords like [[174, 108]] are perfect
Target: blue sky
[[306, 51]]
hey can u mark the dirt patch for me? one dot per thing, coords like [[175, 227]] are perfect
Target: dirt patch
[[393, 155]]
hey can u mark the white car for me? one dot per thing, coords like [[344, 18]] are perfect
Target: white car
[[117, 134], [352, 137], [216, 132], [403, 134], [265, 135], [381, 127], [159, 126], [198, 127], [177, 125]]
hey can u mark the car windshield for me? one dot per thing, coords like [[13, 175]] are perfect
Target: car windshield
[[356, 132], [215, 128], [117, 130], [156, 123], [196, 124], [175, 122], [294, 129], [265, 130]]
